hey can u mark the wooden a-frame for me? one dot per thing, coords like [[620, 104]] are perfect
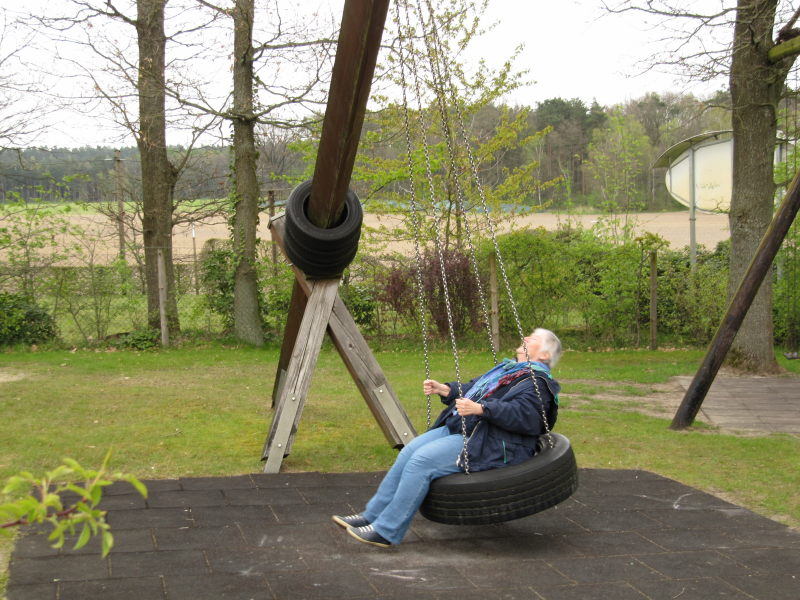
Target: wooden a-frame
[[316, 307]]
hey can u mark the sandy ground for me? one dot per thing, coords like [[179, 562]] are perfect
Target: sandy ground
[[674, 227]]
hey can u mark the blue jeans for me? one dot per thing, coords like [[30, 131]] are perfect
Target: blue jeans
[[427, 457]]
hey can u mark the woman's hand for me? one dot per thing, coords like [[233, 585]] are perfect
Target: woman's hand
[[431, 386], [466, 407]]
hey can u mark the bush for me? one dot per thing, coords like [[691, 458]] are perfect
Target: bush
[[22, 322]]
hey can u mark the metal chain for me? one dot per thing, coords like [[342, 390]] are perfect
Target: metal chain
[[415, 217], [491, 225], [438, 86], [436, 218], [464, 455]]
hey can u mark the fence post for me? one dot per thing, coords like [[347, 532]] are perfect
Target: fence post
[[653, 301], [162, 298]]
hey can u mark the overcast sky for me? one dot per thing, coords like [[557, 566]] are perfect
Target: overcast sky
[[572, 50]]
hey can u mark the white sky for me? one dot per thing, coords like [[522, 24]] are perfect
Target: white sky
[[572, 50]]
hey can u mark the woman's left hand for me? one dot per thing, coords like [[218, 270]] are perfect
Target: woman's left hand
[[466, 407]]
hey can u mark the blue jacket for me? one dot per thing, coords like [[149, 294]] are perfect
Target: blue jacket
[[508, 431]]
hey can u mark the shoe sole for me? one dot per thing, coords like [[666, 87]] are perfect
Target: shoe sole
[[352, 533]]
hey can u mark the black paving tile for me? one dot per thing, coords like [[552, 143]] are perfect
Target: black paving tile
[[138, 588], [709, 588], [140, 564], [694, 564], [609, 569], [218, 586], [151, 517], [216, 483], [184, 499], [263, 496], [37, 591], [125, 540], [56, 568], [187, 538], [217, 516], [604, 591], [254, 561], [336, 584], [623, 535], [768, 587]]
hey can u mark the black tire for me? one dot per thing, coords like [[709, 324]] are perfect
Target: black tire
[[321, 253], [504, 494]]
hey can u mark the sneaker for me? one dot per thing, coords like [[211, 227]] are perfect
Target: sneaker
[[368, 535], [350, 521]]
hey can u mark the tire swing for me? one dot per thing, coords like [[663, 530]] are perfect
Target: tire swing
[[551, 475], [321, 253]]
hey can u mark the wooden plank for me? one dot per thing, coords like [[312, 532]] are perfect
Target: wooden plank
[[322, 295], [356, 54], [297, 307], [369, 377], [360, 362]]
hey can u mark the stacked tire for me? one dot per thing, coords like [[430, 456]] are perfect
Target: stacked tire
[[321, 253]]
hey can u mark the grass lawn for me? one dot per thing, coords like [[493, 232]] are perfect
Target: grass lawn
[[206, 411]]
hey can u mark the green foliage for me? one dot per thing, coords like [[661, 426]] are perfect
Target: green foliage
[[39, 500], [360, 300], [140, 339], [617, 155], [217, 275], [22, 322]]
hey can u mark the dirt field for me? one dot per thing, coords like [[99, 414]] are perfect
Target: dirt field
[[673, 226]]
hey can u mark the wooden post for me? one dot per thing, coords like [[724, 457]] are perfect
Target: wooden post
[[298, 376], [740, 304], [120, 203], [356, 354], [194, 258], [653, 300], [297, 306], [273, 247], [356, 55], [162, 298], [494, 298]]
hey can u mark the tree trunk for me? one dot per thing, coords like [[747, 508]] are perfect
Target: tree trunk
[[756, 87], [158, 174], [247, 323]]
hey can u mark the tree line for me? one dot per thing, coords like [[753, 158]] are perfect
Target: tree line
[[155, 68]]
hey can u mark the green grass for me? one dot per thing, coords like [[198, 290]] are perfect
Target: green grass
[[205, 410]]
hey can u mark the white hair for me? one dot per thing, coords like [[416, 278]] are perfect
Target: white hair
[[550, 344]]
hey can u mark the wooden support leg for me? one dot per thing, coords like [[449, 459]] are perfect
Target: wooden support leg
[[369, 377], [308, 343], [297, 307]]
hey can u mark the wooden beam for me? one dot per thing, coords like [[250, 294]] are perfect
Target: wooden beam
[[306, 349], [297, 307], [359, 360], [356, 55], [740, 304]]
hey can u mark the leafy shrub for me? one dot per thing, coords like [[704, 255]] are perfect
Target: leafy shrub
[[22, 322], [216, 276], [360, 300], [141, 339]]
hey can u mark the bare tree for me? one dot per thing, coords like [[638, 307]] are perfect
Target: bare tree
[[739, 42], [120, 50], [257, 71]]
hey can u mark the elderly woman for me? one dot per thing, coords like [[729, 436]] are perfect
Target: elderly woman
[[502, 412]]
